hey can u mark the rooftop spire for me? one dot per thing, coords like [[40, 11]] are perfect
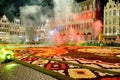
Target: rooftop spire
[[4, 18], [110, 0]]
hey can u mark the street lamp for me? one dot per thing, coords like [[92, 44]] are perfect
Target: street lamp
[[5, 55], [8, 57]]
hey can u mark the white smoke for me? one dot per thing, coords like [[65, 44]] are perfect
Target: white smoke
[[63, 8], [29, 9], [36, 14], [28, 13], [33, 15]]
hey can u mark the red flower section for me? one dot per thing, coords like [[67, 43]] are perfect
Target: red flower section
[[18, 50], [29, 59], [17, 55], [56, 66], [114, 78]]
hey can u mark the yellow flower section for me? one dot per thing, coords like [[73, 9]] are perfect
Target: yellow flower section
[[103, 51], [40, 62], [81, 73]]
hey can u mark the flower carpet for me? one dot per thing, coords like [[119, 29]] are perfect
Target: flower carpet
[[55, 59]]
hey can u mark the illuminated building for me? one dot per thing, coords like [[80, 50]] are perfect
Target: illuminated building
[[4, 28], [8, 29], [42, 33], [112, 21], [82, 19], [16, 29]]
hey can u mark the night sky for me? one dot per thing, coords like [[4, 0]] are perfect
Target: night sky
[[11, 7]]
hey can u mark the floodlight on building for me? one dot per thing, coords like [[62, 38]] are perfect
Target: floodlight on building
[[52, 32], [108, 34], [116, 33]]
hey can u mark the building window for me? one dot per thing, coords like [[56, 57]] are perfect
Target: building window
[[2, 25], [80, 9], [91, 7], [88, 7], [2, 30], [110, 13], [119, 12], [7, 30], [110, 29], [85, 7], [106, 22], [6, 26], [114, 20], [77, 26], [110, 6], [10, 33], [114, 29], [109, 21], [105, 13], [105, 30], [114, 12], [74, 26]]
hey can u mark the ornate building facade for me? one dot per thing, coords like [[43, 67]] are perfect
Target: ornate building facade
[[16, 29], [4, 28], [111, 31], [8, 29], [82, 19]]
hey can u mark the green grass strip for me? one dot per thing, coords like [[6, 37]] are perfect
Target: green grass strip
[[45, 71]]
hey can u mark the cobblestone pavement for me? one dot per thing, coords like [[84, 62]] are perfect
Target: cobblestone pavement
[[14, 71]]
